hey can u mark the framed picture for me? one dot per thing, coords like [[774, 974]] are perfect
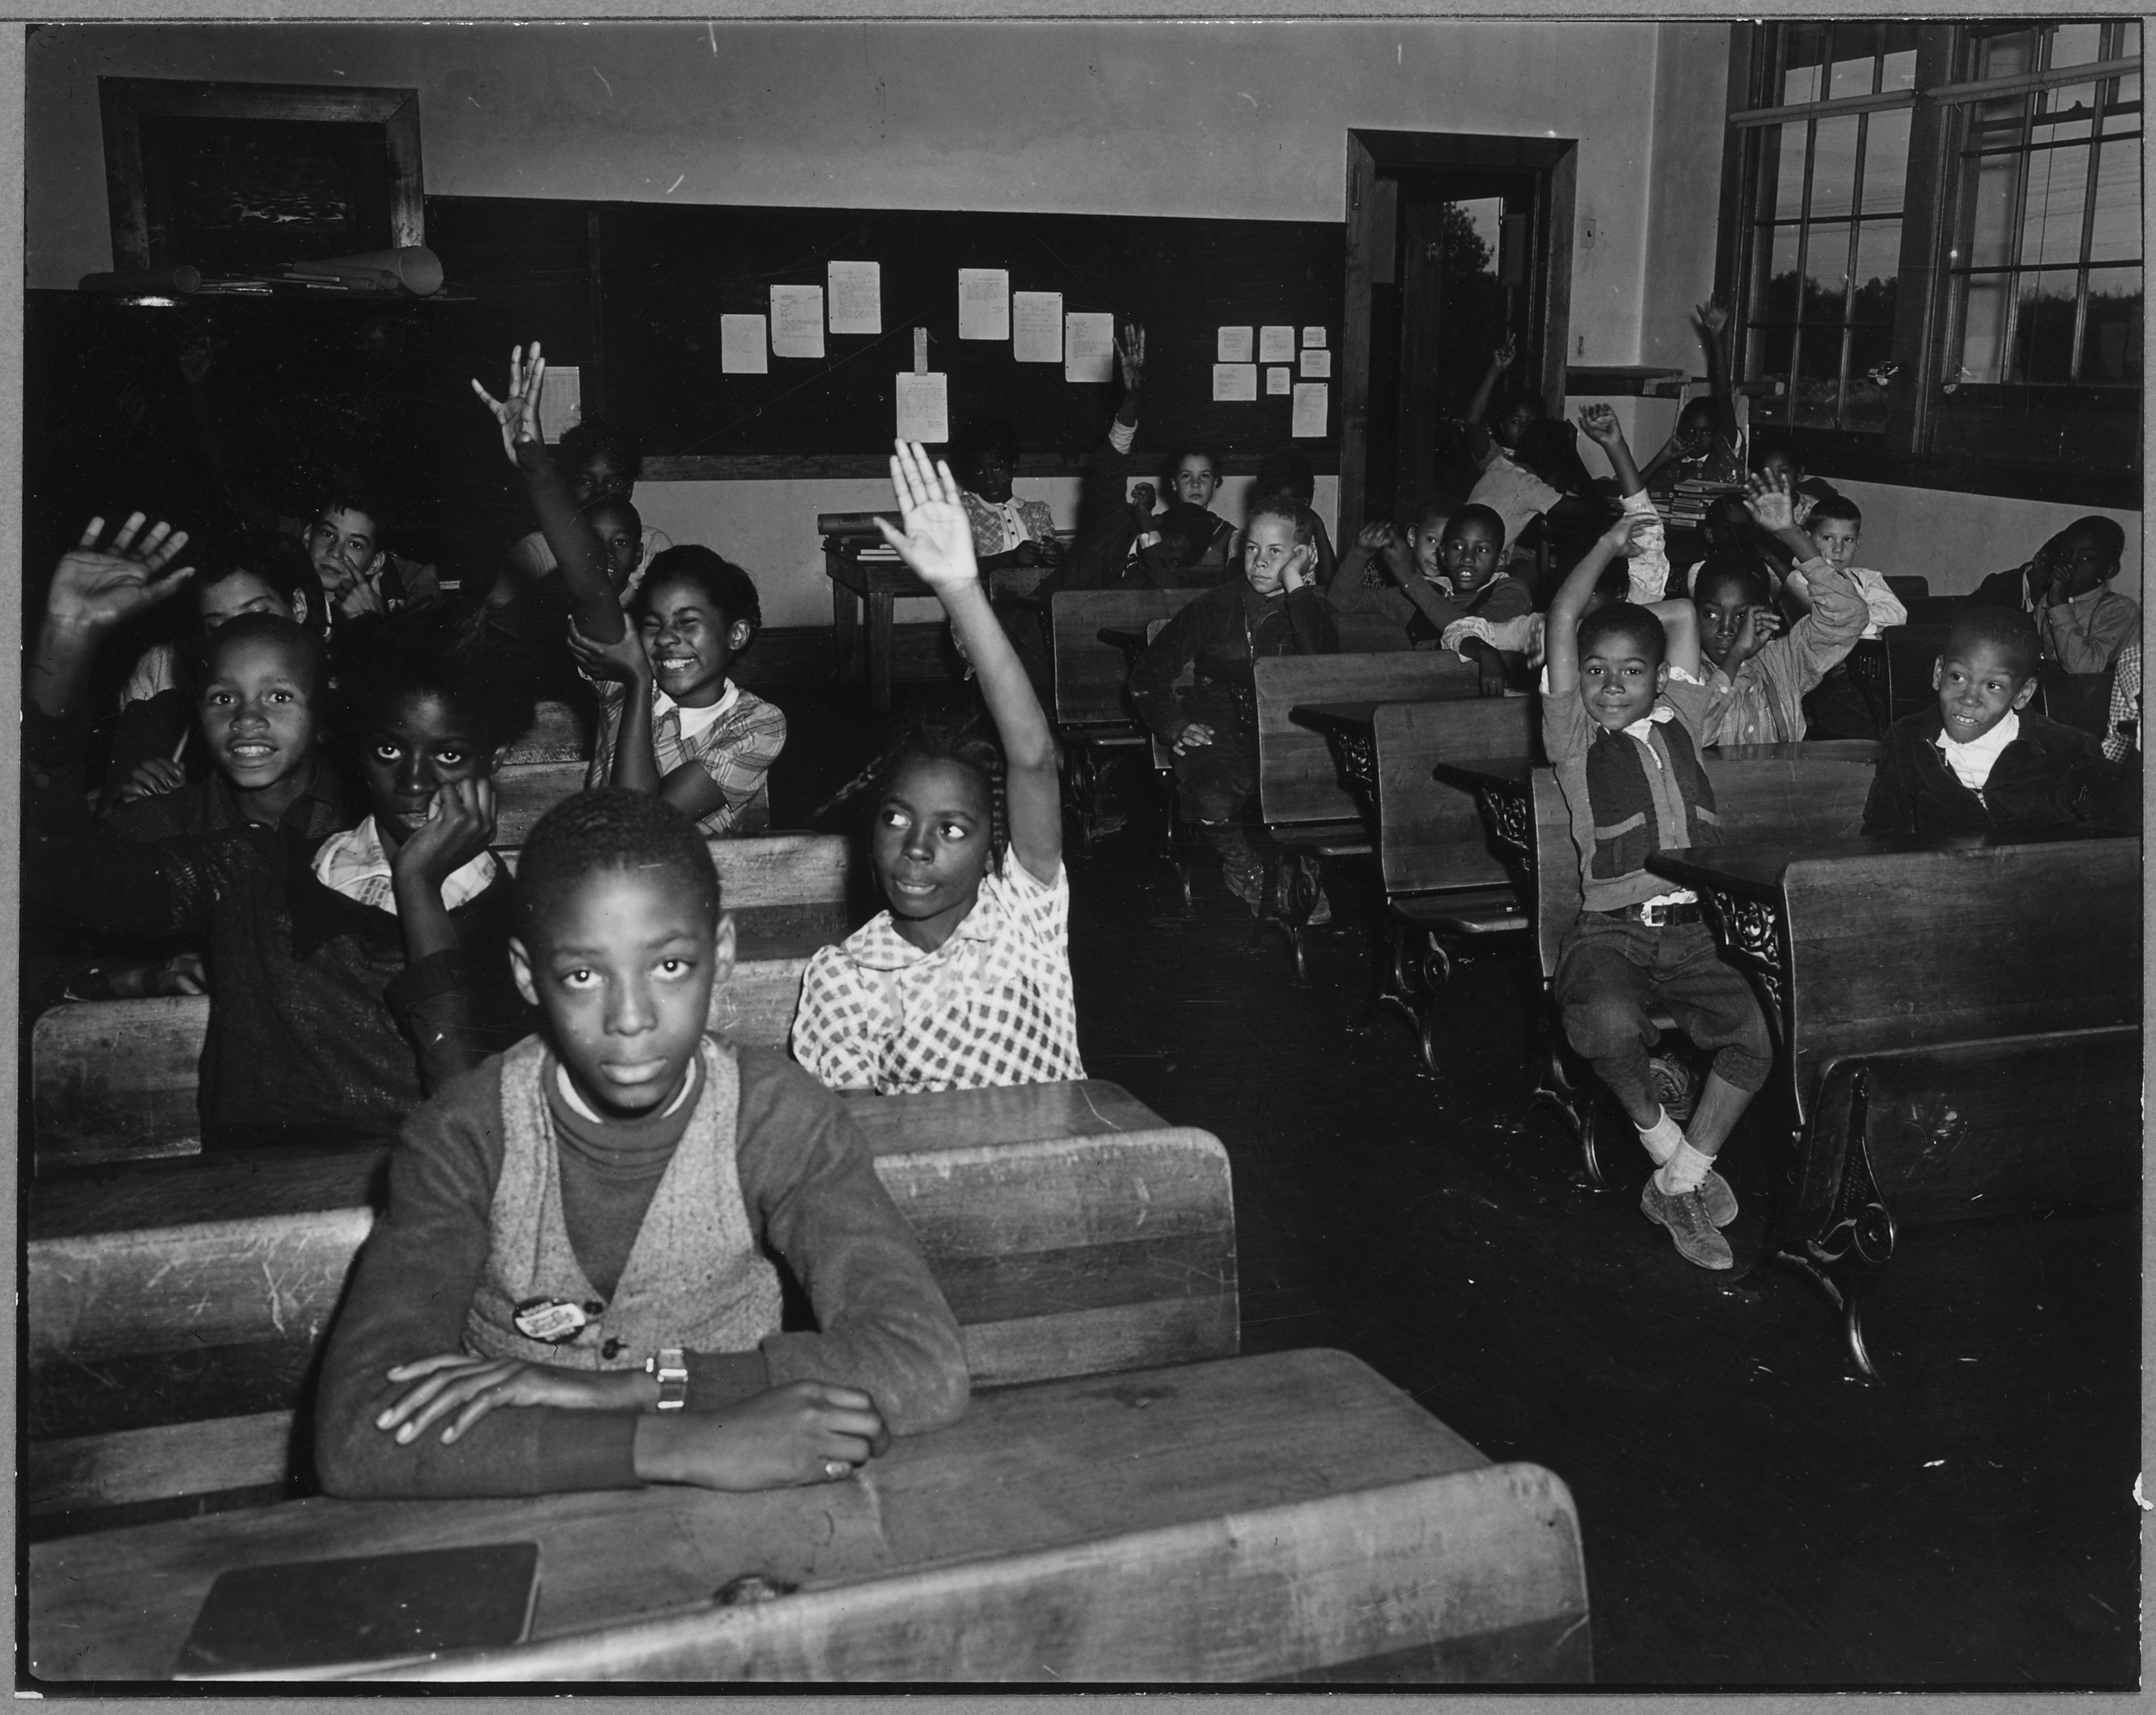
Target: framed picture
[[233, 178]]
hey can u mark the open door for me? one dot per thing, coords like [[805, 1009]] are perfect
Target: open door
[[1453, 242]]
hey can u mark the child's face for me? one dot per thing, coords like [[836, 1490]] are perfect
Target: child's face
[[931, 847], [691, 643], [1470, 553], [1619, 682], [622, 968], [620, 537], [1426, 540], [1514, 422], [1271, 551], [1723, 605], [257, 713], [1695, 429], [992, 475], [244, 592], [2079, 564], [417, 745], [1196, 480], [343, 547], [1836, 540], [598, 474], [1779, 463], [1978, 687]]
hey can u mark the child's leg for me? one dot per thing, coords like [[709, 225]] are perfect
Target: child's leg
[[1603, 994], [1216, 780], [1719, 1010]]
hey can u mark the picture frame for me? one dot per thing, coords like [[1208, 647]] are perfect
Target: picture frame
[[240, 176]]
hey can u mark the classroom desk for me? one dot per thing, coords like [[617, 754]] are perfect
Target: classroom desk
[[1292, 1514], [1352, 728], [1505, 788], [877, 584]]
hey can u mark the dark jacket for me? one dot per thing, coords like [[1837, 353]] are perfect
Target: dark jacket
[[2050, 777], [1221, 633], [2004, 589]]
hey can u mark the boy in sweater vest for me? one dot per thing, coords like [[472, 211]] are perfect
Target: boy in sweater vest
[[1621, 723], [570, 1289]]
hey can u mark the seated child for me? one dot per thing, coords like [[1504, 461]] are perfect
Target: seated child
[[2121, 725], [568, 1290], [1453, 591], [1647, 566], [2084, 624], [1707, 444], [351, 974], [1834, 526], [671, 720], [1981, 762], [1288, 472], [964, 982], [1758, 676], [1007, 532], [1112, 515], [1273, 609], [601, 462], [1514, 483], [1621, 723]]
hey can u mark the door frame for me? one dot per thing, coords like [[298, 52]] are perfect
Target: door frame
[[1554, 161]]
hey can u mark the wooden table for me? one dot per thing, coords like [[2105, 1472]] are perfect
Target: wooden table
[[1505, 787], [1287, 1516], [876, 584]]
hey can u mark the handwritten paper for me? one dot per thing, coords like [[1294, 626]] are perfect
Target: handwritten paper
[[924, 407], [797, 321], [1235, 381], [744, 348], [1277, 381], [1310, 410], [984, 303], [1275, 344], [1088, 346], [856, 296], [1234, 346], [1317, 365], [1313, 335], [560, 400], [1037, 327]]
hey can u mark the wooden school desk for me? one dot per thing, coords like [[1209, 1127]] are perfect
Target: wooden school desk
[[866, 574], [1291, 1516]]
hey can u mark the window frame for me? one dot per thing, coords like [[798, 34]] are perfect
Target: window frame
[[1901, 456]]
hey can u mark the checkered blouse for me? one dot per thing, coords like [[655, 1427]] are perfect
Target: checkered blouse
[[736, 747], [992, 1005]]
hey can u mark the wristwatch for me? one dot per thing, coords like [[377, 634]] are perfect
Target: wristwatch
[[673, 1373]]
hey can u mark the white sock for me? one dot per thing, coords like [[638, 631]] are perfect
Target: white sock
[[1663, 1138], [1686, 1171]]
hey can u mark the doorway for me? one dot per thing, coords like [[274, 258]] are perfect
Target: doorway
[[1454, 243]]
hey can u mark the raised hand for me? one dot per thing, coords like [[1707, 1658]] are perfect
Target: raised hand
[[1506, 354], [364, 595], [1767, 499], [623, 661], [1375, 536], [518, 411], [95, 587], [1622, 537], [938, 543], [1194, 736], [1600, 422], [459, 826], [1130, 355], [1711, 316]]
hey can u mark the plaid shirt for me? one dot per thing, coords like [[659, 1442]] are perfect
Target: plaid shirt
[[992, 1005], [737, 750]]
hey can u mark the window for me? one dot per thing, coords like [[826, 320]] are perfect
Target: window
[[1936, 252]]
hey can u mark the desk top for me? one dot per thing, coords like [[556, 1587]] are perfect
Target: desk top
[[1351, 718], [1755, 871], [1055, 1464], [1481, 773], [252, 1184]]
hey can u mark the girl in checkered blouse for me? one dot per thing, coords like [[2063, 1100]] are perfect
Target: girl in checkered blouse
[[965, 982]]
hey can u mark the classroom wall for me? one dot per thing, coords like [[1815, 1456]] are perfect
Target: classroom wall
[[1958, 541]]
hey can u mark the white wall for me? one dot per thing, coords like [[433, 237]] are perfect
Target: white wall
[[1958, 541]]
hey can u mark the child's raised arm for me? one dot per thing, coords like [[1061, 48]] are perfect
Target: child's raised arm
[[939, 546], [1478, 407], [1560, 634], [570, 538], [1680, 627], [1713, 320], [1606, 432], [94, 589]]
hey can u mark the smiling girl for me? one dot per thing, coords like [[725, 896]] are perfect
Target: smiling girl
[[965, 981]]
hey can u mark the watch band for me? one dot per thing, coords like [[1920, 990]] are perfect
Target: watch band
[[672, 1369]]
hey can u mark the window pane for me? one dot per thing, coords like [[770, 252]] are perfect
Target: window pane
[[1779, 302], [1878, 260], [1788, 171], [1817, 394], [2110, 350], [1826, 271], [2044, 341], [2127, 95], [2005, 55], [2117, 232], [2129, 44], [1855, 54], [2063, 116], [1901, 61], [1834, 167], [1983, 331], [2052, 215], [2075, 43], [1769, 360], [1886, 162], [1990, 241], [1804, 47]]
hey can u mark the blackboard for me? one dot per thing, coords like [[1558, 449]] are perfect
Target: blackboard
[[633, 292]]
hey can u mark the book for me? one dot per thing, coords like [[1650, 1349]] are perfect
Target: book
[[311, 1619]]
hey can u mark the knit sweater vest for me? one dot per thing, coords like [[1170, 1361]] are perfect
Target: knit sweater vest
[[1627, 822], [695, 1277]]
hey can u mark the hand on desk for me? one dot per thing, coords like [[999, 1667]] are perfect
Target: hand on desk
[[471, 1387], [805, 1432]]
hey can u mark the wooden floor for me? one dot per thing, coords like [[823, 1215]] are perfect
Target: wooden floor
[[1753, 1515]]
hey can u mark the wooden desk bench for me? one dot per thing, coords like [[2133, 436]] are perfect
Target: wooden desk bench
[[1093, 713], [177, 1311], [1961, 1029], [116, 1080], [1309, 815], [1290, 1516]]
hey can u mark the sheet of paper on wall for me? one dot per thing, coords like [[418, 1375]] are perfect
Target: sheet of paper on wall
[[1317, 365], [1313, 335], [1235, 381], [1278, 381], [984, 303], [1088, 346], [797, 321], [924, 407], [1037, 327], [1275, 344], [1234, 346], [856, 290], [560, 400], [1310, 405], [744, 346]]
